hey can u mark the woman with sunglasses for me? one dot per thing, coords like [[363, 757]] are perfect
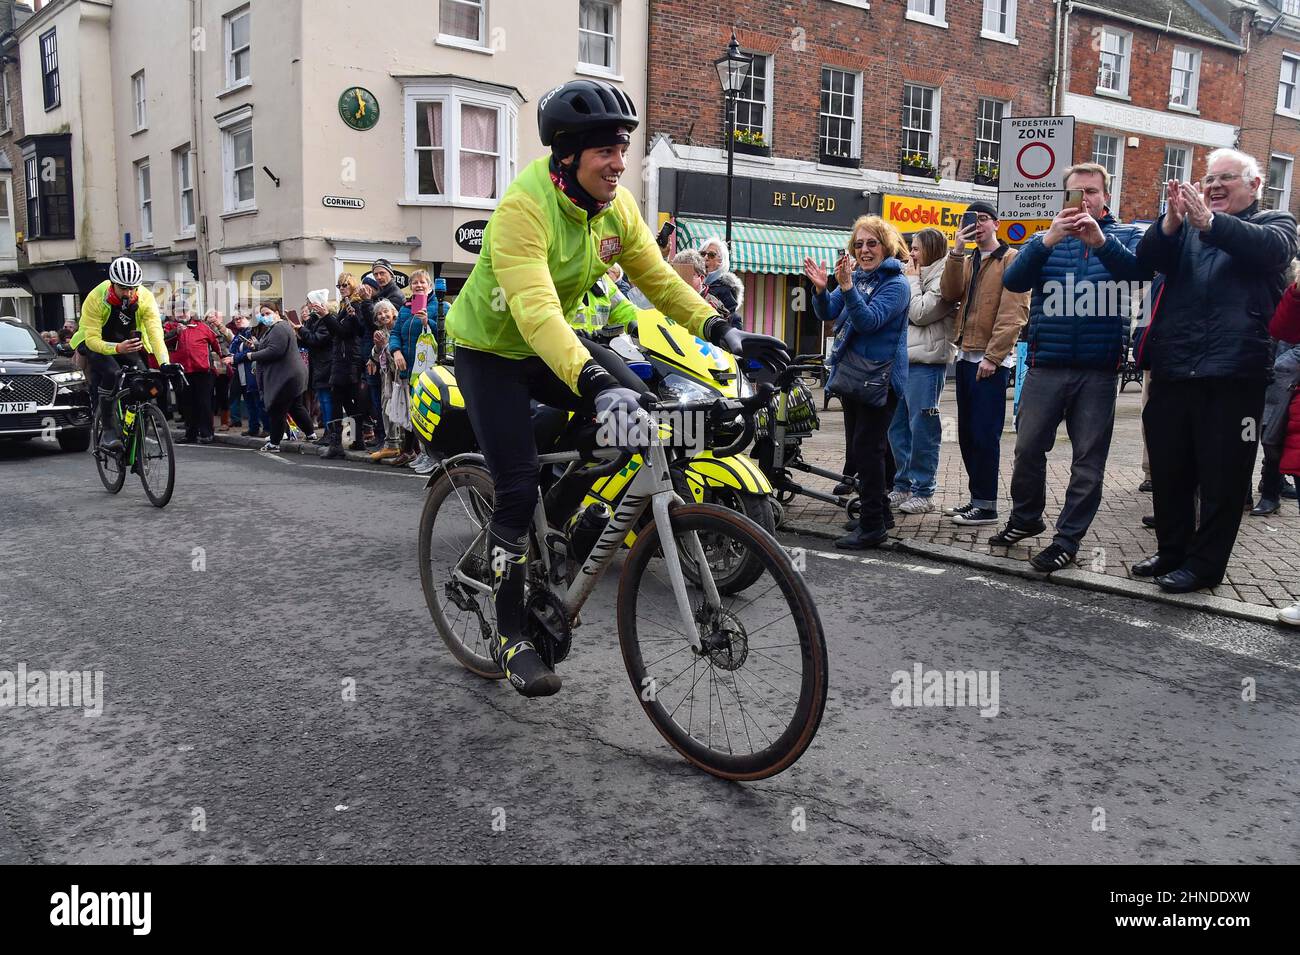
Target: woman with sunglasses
[[869, 306], [722, 282]]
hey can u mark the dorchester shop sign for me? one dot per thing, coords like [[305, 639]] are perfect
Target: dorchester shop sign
[[762, 200]]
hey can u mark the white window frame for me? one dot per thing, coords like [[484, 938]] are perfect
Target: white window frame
[[139, 102], [1184, 174], [228, 40], [450, 39], [936, 19], [6, 115], [453, 97], [1292, 59], [934, 120], [615, 19], [144, 200], [1285, 204], [1006, 111], [1194, 89], [231, 125], [855, 142], [1116, 177], [770, 59], [8, 224], [183, 164], [986, 33], [1125, 65]]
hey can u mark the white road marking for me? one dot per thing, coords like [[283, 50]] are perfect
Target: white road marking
[[914, 568], [316, 467]]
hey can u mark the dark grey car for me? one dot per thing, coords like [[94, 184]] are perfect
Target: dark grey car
[[41, 392]]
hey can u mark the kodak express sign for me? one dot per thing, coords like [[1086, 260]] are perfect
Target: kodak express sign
[[909, 214]]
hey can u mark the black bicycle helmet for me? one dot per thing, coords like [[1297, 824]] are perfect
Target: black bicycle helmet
[[581, 106]]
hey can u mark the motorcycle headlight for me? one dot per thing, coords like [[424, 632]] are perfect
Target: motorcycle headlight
[[68, 377], [746, 387], [681, 388]]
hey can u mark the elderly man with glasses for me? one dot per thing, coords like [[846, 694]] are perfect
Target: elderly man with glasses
[[1222, 261]]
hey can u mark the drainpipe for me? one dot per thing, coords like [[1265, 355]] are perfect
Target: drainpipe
[[1056, 58], [196, 147]]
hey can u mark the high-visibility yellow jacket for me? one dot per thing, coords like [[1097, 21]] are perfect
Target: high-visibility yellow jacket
[[540, 256], [96, 310]]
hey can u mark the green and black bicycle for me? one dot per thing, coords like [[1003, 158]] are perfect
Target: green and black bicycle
[[147, 447]]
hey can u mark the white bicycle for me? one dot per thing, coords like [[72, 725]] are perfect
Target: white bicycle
[[736, 683]]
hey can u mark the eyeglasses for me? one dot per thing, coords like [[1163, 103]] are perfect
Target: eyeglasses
[[711, 254], [982, 219], [1224, 177], [343, 285], [867, 243]]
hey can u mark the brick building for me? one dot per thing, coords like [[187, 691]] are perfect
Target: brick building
[[1154, 86], [1270, 117], [15, 299], [841, 92]]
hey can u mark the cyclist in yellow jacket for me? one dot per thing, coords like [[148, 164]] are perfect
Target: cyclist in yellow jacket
[[119, 321], [559, 227]]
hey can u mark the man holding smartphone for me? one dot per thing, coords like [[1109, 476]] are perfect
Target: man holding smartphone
[[989, 319], [1080, 273]]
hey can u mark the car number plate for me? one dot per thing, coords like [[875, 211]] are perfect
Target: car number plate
[[17, 407]]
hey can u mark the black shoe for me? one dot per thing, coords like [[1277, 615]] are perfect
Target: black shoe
[[889, 521], [1051, 558], [1183, 581], [206, 440], [113, 444], [1011, 534], [525, 669], [862, 540], [1145, 486], [976, 516], [852, 525], [843, 489], [1155, 566], [1249, 504], [1148, 520], [1265, 507], [961, 509], [331, 451], [323, 440], [183, 439], [1288, 490]]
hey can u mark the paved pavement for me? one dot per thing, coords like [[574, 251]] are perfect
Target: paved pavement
[[226, 625], [1264, 571]]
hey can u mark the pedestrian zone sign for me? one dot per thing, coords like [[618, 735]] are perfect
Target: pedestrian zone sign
[[1036, 150]]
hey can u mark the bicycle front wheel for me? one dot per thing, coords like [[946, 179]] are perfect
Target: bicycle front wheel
[[155, 456], [109, 464], [747, 704]]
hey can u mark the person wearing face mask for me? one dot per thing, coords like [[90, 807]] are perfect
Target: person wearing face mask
[[250, 395], [989, 319], [1223, 262], [284, 376], [869, 307], [562, 221]]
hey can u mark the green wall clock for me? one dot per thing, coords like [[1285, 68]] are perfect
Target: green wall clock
[[359, 108]]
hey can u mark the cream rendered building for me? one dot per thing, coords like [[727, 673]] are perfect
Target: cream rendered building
[[234, 162]]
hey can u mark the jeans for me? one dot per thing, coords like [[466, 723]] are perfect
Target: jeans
[[981, 414], [258, 420], [375, 388], [326, 403], [1085, 399], [915, 433]]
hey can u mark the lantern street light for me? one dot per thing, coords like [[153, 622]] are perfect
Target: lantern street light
[[733, 71]]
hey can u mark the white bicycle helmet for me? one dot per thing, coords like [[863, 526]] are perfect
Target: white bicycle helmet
[[125, 271]]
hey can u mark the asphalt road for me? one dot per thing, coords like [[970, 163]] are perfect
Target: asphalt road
[[1121, 732]]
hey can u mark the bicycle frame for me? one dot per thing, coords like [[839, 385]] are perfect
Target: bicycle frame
[[651, 487]]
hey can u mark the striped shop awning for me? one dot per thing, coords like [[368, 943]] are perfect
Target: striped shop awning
[[770, 249]]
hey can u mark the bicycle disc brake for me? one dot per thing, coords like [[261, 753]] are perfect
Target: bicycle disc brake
[[547, 626], [724, 639]]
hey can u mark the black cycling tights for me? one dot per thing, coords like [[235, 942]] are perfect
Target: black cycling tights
[[497, 391]]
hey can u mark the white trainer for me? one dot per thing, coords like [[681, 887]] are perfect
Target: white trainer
[[1290, 615], [896, 498], [916, 505]]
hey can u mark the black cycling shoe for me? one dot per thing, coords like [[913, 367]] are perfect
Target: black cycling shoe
[[525, 669]]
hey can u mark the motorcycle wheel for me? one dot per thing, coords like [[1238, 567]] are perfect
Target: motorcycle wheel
[[733, 571]]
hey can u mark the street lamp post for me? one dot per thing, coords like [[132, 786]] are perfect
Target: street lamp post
[[733, 70]]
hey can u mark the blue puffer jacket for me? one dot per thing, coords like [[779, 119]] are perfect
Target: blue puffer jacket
[[1073, 321], [406, 332], [873, 317]]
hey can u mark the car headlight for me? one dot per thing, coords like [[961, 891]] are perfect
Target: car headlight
[[68, 377], [681, 388]]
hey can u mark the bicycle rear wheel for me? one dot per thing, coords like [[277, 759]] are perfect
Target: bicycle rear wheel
[[155, 456], [111, 466], [456, 566], [748, 703]]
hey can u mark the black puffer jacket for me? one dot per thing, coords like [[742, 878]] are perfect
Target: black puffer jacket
[[350, 332], [318, 339], [392, 293], [1216, 294]]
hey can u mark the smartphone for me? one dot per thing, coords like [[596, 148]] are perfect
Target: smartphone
[[135, 334], [419, 302], [968, 219], [1074, 199]]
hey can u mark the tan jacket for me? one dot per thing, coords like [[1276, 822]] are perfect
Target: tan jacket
[[992, 322]]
